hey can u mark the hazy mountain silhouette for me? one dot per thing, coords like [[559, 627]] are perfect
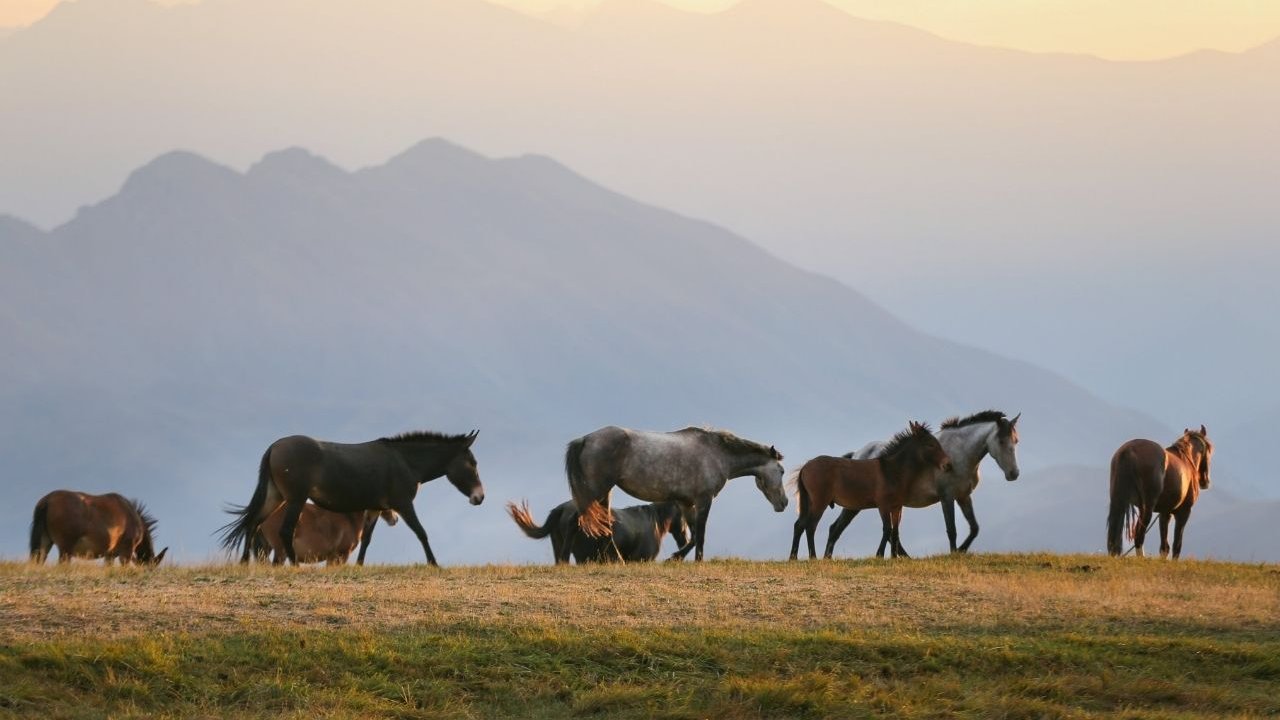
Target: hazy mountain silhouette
[[1079, 207], [162, 338]]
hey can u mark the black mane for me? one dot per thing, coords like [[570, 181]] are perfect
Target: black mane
[[901, 440], [426, 436], [148, 522], [982, 417]]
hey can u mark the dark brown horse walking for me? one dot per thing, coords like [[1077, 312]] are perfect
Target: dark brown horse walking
[[910, 463], [108, 526], [322, 536], [377, 475], [1147, 478]]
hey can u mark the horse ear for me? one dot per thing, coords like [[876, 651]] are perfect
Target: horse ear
[[1203, 431], [773, 452], [1014, 421], [159, 557], [471, 437]]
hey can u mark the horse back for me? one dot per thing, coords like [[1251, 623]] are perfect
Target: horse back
[[1138, 471], [847, 482]]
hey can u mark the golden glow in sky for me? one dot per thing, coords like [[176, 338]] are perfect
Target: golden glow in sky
[[1115, 29]]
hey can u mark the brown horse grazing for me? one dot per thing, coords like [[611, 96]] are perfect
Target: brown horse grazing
[[1148, 478], [910, 463], [322, 535], [93, 526]]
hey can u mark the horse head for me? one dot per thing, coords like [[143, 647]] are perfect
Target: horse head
[[1200, 445], [928, 450], [145, 555], [769, 480], [1002, 445], [463, 473]]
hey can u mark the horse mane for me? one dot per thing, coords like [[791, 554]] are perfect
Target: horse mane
[[900, 441], [735, 444], [148, 522], [1183, 443], [980, 417], [427, 436]]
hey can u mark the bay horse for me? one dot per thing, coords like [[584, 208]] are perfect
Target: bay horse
[[637, 532], [967, 442], [688, 467], [907, 465], [322, 535], [378, 475], [1147, 478], [107, 526]]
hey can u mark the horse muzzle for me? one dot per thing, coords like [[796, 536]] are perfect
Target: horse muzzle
[[477, 497], [1011, 476], [780, 506]]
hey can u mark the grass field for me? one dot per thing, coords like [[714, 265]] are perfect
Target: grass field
[[1025, 636]]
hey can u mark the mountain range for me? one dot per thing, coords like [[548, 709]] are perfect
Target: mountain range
[[1114, 222]]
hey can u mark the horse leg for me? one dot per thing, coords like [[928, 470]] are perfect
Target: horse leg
[[704, 510], [898, 550], [689, 511], [411, 518], [886, 530], [1164, 535], [949, 517], [802, 520], [292, 511], [365, 538], [966, 507], [1180, 520], [811, 529], [1140, 532], [837, 528]]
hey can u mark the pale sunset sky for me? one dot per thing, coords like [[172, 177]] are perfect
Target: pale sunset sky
[[1114, 29]]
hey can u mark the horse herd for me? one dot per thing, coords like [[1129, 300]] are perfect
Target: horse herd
[[351, 486]]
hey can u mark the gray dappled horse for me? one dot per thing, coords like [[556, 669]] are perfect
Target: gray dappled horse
[[377, 475], [637, 532], [688, 467], [1147, 478], [967, 441]]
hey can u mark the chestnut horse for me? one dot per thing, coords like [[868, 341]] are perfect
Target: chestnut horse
[[1148, 478], [909, 464], [93, 526], [322, 535]]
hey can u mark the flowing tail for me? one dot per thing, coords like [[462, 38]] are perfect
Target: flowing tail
[[241, 531], [593, 515], [523, 518], [1120, 516], [39, 530]]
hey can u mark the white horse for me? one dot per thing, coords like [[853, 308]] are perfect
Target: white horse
[[688, 467], [967, 441]]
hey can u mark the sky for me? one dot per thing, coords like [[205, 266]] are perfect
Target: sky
[[1112, 29]]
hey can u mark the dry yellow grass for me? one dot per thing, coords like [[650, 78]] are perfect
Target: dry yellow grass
[[41, 603]]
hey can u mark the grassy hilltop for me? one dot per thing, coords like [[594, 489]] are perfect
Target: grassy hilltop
[[982, 636]]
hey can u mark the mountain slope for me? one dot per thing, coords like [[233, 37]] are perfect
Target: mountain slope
[[201, 312]]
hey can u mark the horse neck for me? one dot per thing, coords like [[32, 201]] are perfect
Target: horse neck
[[901, 466], [736, 466], [426, 460], [967, 445]]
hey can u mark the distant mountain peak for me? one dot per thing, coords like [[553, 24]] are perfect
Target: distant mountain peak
[[435, 153], [12, 227], [294, 162], [178, 166]]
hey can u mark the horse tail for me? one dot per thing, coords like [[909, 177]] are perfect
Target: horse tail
[[39, 529], [796, 488], [524, 519], [1120, 516], [240, 532], [593, 515]]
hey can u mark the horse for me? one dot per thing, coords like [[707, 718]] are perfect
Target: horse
[[637, 532], [1148, 478], [688, 467], [908, 465], [378, 475], [322, 536], [108, 526], [967, 441]]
